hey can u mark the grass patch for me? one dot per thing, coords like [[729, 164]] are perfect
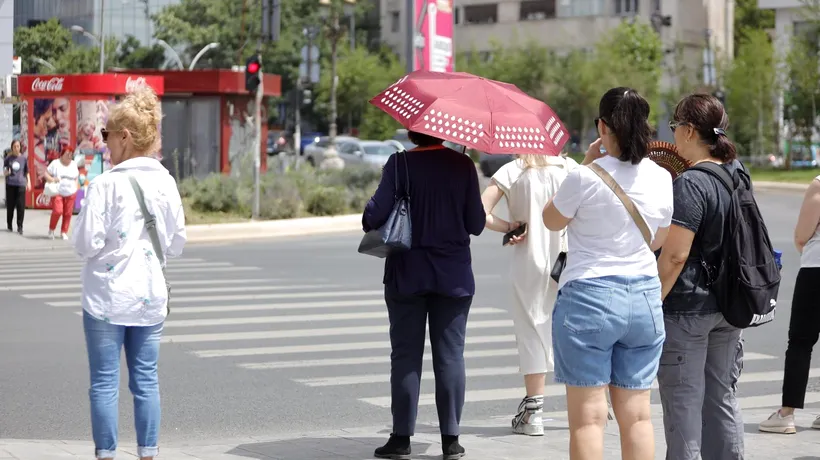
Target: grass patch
[[795, 176], [194, 216]]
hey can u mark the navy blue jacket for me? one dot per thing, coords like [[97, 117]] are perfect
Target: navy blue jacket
[[445, 208]]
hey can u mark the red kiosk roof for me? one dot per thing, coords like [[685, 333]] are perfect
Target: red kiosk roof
[[91, 84], [210, 81]]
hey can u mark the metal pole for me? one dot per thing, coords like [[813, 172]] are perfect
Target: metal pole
[[297, 119], [352, 50], [257, 147], [102, 36], [410, 35], [334, 51]]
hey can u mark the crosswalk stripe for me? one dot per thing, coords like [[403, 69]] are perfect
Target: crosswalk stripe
[[278, 306], [18, 275], [78, 285], [297, 318], [78, 265], [325, 347], [385, 378], [62, 295], [322, 332], [290, 295], [382, 359], [46, 254]]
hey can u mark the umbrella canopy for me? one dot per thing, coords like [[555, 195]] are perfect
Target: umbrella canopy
[[486, 115]]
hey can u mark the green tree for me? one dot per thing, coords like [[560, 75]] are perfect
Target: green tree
[[752, 82], [131, 54], [48, 41], [362, 75], [575, 90], [750, 18], [632, 55], [803, 87]]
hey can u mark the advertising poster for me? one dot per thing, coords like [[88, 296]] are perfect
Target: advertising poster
[[434, 20], [51, 126], [92, 155]]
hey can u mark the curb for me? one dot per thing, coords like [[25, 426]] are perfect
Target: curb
[[785, 186], [273, 228]]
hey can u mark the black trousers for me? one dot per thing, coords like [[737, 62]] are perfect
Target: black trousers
[[15, 200], [448, 326], [804, 329]]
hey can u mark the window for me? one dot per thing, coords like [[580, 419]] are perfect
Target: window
[[537, 10], [394, 21], [626, 7], [577, 8], [481, 14]]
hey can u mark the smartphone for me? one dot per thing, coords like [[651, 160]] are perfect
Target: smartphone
[[517, 232]]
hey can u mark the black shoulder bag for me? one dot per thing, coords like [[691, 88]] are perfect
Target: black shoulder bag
[[396, 234]]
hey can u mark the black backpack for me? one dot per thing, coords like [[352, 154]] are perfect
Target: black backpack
[[748, 279]]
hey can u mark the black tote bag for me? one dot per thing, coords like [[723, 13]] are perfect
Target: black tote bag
[[396, 234]]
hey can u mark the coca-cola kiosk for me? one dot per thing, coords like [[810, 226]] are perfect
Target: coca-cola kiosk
[[60, 113]]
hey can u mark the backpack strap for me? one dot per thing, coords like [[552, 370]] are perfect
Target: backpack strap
[[627, 202], [717, 171], [150, 221]]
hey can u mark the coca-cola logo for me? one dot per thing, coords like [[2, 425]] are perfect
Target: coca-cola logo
[[53, 85], [135, 84], [43, 200]]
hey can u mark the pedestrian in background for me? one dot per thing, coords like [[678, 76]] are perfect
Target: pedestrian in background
[[18, 182], [607, 327], [125, 296], [528, 183], [433, 279], [703, 353], [64, 172], [804, 325]]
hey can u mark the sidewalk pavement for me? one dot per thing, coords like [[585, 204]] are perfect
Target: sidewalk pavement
[[484, 440], [36, 226]]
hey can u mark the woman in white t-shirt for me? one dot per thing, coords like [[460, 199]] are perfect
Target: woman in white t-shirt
[[607, 328], [528, 183], [64, 172]]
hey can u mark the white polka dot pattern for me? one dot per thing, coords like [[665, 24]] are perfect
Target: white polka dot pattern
[[448, 119]]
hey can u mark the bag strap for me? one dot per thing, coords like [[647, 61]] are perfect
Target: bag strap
[[150, 221], [402, 154], [627, 202]]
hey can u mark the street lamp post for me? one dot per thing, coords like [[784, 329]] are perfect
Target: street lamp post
[[330, 12], [96, 39], [44, 63], [102, 36], [201, 53], [173, 52]]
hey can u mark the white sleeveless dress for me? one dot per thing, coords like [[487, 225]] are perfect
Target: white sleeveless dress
[[527, 191]]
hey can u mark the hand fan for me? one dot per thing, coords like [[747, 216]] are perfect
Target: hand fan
[[666, 156]]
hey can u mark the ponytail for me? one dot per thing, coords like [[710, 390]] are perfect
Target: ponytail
[[626, 113]]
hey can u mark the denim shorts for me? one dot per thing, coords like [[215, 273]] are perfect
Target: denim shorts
[[608, 331]]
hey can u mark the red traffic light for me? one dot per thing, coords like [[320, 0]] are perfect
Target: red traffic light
[[253, 67]]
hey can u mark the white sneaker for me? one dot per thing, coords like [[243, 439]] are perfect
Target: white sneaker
[[816, 423], [65, 236], [777, 423], [51, 234], [529, 419]]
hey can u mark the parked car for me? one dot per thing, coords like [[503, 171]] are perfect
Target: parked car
[[373, 153], [314, 152], [490, 164]]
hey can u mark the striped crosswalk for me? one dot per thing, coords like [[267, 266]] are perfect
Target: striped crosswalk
[[321, 333]]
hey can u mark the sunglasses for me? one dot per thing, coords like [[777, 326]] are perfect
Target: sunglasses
[[673, 125], [597, 119], [104, 133]]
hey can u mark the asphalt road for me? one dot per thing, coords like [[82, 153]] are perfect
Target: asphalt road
[[290, 335]]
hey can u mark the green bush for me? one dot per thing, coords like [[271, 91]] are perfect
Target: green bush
[[296, 193]]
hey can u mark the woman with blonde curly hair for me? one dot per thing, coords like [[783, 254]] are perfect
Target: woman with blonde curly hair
[[125, 295]]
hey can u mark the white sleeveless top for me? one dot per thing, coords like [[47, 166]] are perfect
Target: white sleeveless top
[[811, 251]]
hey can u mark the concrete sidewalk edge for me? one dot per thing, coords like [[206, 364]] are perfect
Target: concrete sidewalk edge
[[273, 228]]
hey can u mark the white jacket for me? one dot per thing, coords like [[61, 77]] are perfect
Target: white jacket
[[122, 277]]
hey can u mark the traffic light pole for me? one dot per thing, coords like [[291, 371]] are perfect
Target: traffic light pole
[[257, 145]]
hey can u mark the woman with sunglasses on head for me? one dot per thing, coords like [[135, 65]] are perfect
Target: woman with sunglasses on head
[[703, 355], [125, 296], [607, 328]]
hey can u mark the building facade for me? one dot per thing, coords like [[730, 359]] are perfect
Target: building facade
[[120, 18], [571, 24]]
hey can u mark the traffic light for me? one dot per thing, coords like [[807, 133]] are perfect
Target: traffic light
[[252, 69]]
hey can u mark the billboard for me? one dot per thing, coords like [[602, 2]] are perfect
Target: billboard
[[434, 25]]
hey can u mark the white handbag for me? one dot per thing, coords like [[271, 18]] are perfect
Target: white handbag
[[51, 189]]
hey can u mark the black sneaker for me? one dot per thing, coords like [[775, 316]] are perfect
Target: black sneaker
[[450, 447], [19, 230], [397, 448]]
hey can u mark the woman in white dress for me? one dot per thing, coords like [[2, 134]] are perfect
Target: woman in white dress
[[529, 183]]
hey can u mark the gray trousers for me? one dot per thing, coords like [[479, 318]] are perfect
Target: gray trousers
[[699, 368]]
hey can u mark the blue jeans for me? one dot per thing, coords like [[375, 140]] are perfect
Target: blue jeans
[[104, 342], [608, 331]]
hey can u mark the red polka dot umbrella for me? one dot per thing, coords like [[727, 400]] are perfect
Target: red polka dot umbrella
[[486, 115]]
